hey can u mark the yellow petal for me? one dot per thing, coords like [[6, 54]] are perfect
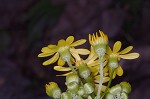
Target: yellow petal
[[119, 71], [52, 60], [61, 43], [45, 54], [69, 40], [79, 42], [90, 38], [80, 51], [116, 46], [66, 74], [106, 79], [126, 50], [103, 88], [94, 70], [108, 51], [92, 54], [45, 50], [52, 46], [76, 56], [60, 62], [60, 68], [130, 56], [105, 69], [114, 75], [101, 33], [93, 63]]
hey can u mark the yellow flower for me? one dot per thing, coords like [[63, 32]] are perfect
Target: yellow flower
[[114, 56], [93, 64], [99, 43], [64, 49], [91, 61]]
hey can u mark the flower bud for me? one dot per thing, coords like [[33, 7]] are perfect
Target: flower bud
[[64, 53], [65, 95], [126, 87], [88, 88], [73, 87], [113, 61], [115, 89], [81, 91], [109, 96], [72, 78], [84, 71], [124, 96], [100, 49], [53, 90]]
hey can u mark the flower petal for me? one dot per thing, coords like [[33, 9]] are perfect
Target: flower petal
[[61, 43], [60, 68], [60, 62], [52, 46], [47, 50], [90, 39], [93, 63], [45, 54], [130, 56], [80, 51], [92, 54], [69, 40], [51, 60], [76, 56], [66, 74], [126, 50], [108, 51], [79, 42], [119, 71], [117, 46]]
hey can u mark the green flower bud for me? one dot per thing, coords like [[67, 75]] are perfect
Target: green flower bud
[[124, 96], [81, 91], [90, 80], [72, 78], [64, 53], [115, 89], [88, 88], [126, 87], [100, 49], [84, 71], [73, 87], [113, 61], [53, 90], [109, 96], [65, 95]]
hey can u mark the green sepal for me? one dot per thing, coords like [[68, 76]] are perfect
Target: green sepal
[[72, 78], [73, 87], [126, 87], [115, 89]]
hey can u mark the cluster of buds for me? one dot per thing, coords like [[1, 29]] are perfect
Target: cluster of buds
[[78, 86], [88, 78]]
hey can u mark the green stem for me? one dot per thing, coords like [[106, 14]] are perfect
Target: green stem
[[101, 78], [108, 85], [70, 65]]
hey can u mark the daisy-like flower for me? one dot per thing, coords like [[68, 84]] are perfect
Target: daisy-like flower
[[63, 51], [114, 56], [91, 62], [99, 43]]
